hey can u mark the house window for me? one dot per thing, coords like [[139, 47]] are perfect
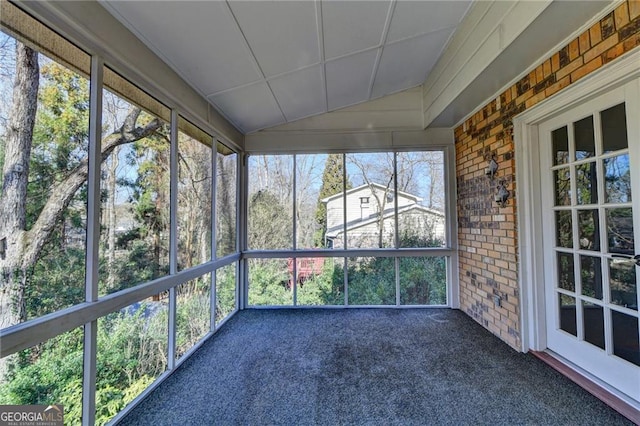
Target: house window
[[364, 200]]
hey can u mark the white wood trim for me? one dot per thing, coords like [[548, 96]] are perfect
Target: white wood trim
[[532, 305], [327, 142]]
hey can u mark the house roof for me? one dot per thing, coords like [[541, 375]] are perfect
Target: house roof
[[366, 186], [358, 223]]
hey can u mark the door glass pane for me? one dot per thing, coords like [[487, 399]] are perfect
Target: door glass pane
[[583, 135], [620, 231], [564, 230], [593, 318], [560, 140], [591, 276], [614, 128], [589, 229], [626, 343], [566, 279], [617, 182], [587, 183], [562, 185], [622, 281], [568, 314]]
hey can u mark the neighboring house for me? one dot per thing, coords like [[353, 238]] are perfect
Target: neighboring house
[[370, 207]]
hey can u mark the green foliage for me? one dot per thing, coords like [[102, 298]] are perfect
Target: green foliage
[[268, 282], [332, 177], [269, 224], [226, 291], [57, 280]]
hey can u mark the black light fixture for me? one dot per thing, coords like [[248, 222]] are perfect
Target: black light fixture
[[503, 194], [3, 248], [492, 167]]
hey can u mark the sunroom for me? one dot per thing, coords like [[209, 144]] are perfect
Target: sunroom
[[169, 167]]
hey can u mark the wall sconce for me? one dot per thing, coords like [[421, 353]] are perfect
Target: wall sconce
[[3, 248], [503, 194], [492, 167]]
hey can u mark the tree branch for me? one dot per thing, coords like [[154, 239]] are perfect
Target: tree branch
[[62, 193]]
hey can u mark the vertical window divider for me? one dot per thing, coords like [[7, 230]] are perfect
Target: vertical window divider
[[242, 281], [93, 239], [344, 228], [173, 238], [295, 231], [395, 224], [214, 247]]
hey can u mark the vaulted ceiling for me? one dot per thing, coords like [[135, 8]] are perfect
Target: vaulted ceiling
[[264, 63]]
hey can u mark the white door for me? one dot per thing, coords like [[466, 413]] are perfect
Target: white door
[[590, 180]]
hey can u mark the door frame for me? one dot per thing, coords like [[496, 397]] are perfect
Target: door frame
[[528, 191]]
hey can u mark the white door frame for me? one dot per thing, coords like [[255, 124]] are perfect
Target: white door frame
[[528, 191]]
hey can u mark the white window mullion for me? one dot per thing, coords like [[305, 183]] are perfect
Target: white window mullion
[[173, 239], [295, 232], [344, 228], [396, 225], [214, 237], [93, 239]]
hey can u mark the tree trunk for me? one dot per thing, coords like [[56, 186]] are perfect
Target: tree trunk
[[14, 187], [111, 218]]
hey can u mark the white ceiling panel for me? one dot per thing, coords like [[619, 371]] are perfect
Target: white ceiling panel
[[260, 63], [412, 18], [348, 79], [282, 34], [352, 26], [250, 108], [217, 57], [301, 93], [406, 63]]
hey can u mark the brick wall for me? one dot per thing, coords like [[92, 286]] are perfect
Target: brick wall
[[488, 240]]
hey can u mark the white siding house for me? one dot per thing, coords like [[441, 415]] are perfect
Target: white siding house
[[370, 208]]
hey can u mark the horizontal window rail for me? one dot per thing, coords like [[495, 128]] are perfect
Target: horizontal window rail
[[384, 252], [27, 334]]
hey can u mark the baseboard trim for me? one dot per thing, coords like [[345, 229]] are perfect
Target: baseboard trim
[[590, 386]]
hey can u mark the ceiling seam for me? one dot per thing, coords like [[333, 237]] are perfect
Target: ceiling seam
[[320, 24], [255, 60], [385, 33]]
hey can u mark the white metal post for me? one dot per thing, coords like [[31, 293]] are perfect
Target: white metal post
[[214, 246], [93, 239], [173, 238]]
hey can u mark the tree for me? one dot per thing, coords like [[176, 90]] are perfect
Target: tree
[[332, 183], [25, 243]]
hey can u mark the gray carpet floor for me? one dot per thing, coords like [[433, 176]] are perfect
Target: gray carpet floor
[[364, 367]]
